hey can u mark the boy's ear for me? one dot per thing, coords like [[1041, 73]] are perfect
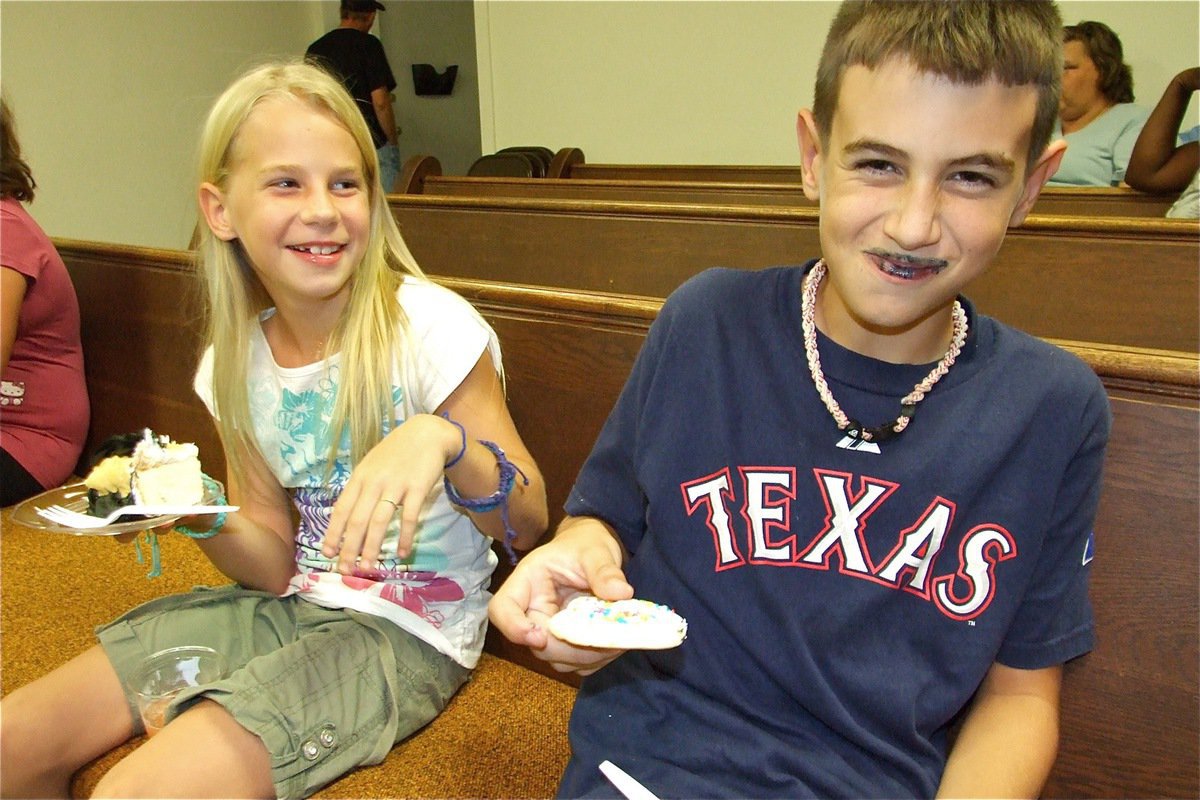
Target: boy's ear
[[1042, 171], [212, 206], [810, 154]]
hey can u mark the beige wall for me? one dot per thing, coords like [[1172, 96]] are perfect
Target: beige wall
[[716, 81], [440, 33], [109, 98]]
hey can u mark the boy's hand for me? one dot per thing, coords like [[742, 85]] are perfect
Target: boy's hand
[[584, 557]]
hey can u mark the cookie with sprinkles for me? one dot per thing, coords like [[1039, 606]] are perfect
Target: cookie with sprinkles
[[588, 621]]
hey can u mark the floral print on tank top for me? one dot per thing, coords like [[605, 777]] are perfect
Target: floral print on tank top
[[302, 429]]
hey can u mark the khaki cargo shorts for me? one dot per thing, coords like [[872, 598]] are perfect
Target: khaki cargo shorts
[[327, 690]]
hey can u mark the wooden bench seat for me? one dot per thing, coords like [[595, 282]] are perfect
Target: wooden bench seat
[[1131, 718], [1122, 281]]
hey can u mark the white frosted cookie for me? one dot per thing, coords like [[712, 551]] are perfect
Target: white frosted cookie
[[621, 624]]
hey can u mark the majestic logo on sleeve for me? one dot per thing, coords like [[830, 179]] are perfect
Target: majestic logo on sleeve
[[759, 531]]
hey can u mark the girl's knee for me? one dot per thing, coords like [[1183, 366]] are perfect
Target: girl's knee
[[203, 752]]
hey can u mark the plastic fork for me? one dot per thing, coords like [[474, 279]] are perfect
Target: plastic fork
[[625, 783], [61, 515]]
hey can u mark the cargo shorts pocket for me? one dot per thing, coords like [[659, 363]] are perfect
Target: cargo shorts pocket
[[321, 705]]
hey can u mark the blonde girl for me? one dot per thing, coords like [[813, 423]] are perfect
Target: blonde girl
[[371, 454]]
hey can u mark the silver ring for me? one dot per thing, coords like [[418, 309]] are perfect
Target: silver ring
[[392, 503]]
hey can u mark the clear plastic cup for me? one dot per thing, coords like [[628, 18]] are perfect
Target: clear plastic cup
[[168, 672]]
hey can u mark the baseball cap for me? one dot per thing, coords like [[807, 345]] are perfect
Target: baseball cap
[[362, 6]]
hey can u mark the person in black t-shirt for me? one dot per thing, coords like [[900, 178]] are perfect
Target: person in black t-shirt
[[356, 57]]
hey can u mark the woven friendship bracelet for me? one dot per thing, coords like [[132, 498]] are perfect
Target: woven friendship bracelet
[[211, 488], [462, 451], [155, 556], [497, 499]]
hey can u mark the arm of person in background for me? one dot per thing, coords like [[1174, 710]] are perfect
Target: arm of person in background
[[584, 557], [381, 98], [12, 295], [1157, 165], [1009, 739]]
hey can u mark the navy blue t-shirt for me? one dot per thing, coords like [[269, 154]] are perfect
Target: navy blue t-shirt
[[843, 605]]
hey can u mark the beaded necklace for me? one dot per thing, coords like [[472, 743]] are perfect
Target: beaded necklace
[[908, 406]]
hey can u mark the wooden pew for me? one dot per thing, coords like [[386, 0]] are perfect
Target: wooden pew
[[720, 185], [714, 173], [1057, 277], [1072, 201], [701, 192], [1131, 718], [1102, 201], [141, 329], [1084, 202]]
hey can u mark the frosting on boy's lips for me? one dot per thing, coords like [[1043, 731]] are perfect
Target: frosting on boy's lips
[[907, 267]]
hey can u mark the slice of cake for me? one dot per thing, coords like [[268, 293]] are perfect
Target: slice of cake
[[166, 472], [144, 468]]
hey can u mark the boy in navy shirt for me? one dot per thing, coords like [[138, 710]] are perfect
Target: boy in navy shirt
[[873, 504]]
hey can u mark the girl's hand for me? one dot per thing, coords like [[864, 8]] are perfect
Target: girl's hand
[[395, 477]]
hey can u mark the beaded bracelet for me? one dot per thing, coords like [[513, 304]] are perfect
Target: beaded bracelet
[[462, 451], [497, 499]]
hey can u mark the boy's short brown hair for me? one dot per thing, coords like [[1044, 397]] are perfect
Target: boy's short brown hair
[[968, 41]]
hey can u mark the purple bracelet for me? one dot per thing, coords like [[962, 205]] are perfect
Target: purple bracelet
[[497, 499], [462, 450]]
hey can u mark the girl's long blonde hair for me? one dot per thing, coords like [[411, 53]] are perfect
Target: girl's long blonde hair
[[372, 326]]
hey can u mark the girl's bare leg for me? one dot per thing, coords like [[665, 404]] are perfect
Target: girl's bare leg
[[203, 752], [56, 724]]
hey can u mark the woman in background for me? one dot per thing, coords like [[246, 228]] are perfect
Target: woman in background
[[44, 409], [1097, 116], [1164, 159]]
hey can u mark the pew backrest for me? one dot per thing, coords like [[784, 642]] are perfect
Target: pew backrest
[[1064, 201], [1116, 201], [766, 194], [713, 173], [1124, 281], [140, 322]]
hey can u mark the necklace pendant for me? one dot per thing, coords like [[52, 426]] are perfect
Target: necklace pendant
[[857, 432], [883, 433]]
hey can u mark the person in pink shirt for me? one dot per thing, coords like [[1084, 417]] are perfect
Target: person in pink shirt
[[44, 410]]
